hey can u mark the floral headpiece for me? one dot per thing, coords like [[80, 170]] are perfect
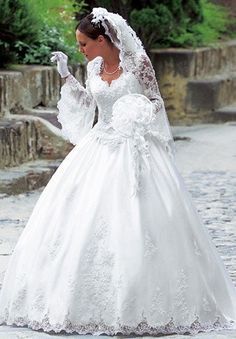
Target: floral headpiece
[[99, 14]]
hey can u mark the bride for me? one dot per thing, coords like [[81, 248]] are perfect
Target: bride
[[114, 243]]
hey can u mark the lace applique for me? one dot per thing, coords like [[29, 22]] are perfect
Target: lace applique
[[98, 328], [206, 305], [158, 304], [179, 301], [196, 248], [105, 134], [150, 247], [19, 299], [96, 274], [146, 76], [38, 303], [54, 246], [76, 110], [161, 126]]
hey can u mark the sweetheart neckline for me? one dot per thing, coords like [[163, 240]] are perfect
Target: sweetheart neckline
[[109, 84]]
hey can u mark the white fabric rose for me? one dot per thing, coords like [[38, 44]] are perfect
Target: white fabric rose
[[132, 114]]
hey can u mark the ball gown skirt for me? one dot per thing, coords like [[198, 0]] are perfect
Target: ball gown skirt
[[93, 258]]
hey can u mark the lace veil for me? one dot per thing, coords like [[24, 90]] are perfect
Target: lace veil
[[130, 50]]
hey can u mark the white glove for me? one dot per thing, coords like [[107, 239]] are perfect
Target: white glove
[[61, 59]]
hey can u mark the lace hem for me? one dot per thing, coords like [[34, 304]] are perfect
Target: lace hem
[[141, 328]]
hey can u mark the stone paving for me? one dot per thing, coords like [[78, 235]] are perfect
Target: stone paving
[[209, 171]]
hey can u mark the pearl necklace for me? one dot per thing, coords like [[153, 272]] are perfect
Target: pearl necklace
[[110, 72]]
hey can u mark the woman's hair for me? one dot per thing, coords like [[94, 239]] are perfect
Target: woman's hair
[[90, 29]]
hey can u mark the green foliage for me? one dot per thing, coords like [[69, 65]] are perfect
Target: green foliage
[[150, 23], [168, 23], [155, 21], [50, 39], [212, 28], [57, 14], [167, 19], [57, 17], [31, 30], [17, 23]]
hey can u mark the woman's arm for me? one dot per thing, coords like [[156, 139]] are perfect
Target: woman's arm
[[76, 105], [76, 110], [160, 126]]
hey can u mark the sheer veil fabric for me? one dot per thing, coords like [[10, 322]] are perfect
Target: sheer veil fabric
[[114, 244]]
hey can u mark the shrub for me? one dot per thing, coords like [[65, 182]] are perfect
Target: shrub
[[155, 21], [168, 23], [17, 23], [29, 32]]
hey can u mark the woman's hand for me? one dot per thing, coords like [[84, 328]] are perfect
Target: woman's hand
[[61, 60]]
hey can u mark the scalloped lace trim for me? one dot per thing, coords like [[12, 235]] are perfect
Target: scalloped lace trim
[[101, 328]]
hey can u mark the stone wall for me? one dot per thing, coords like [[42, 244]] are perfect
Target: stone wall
[[28, 86], [24, 133], [195, 83]]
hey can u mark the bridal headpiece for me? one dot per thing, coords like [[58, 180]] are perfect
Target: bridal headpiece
[[120, 33]]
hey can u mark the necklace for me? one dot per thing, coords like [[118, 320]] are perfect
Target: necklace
[[110, 72]]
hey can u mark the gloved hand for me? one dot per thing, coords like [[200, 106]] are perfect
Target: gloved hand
[[61, 59]]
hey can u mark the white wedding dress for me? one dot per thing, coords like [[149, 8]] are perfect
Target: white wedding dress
[[96, 258]]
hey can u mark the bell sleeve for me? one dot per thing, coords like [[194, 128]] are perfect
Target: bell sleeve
[[76, 109], [160, 126]]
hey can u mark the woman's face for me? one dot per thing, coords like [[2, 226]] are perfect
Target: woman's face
[[89, 47]]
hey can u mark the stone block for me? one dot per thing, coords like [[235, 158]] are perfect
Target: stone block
[[227, 113], [30, 138], [18, 142], [28, 86], [175, 61], [41, 85], [11, 92], [210, 93]]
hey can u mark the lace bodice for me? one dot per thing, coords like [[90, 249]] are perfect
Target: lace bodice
[[77, 104], [106, 95]]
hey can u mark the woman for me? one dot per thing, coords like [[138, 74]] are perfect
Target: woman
[[114, 243]]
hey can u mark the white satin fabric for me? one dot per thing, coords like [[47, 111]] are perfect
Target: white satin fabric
[[94, 258]]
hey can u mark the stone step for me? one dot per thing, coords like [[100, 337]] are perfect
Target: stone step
[[28, 86], [28, 176], [24, 86], [211, 93], [25, 137], [197, 62], [47, 113], [227, 113], [18, 142]]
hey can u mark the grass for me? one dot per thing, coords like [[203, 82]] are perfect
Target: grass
[[217, 25]]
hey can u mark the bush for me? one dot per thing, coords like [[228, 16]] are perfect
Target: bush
[[168, 23], [155, 21], [174, 17], [50, 39], [29, 32], [17, 23]]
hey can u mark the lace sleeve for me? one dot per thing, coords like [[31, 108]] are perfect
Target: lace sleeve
[[76, 110], [160, 125]]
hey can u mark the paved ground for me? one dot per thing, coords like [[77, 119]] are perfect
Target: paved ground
[[208, 164]]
